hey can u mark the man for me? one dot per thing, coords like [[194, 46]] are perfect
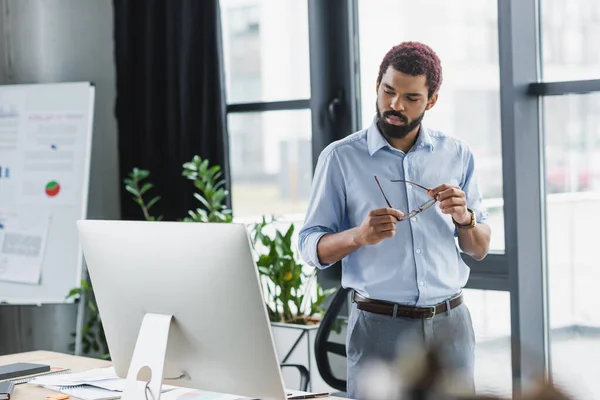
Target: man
[[406, 273]]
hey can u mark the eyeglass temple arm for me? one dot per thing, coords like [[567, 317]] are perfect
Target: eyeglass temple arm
[[384, 196], [412, 183]]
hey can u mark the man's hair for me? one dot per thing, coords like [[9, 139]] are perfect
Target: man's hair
[[413, 58]]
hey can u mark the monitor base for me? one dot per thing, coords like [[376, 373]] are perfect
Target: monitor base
[[150, 351]]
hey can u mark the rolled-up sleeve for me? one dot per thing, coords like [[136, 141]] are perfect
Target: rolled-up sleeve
[[326, 207], [471, 188]]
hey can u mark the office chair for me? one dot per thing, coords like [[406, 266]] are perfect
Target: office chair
[[304, 375], [325, 348]]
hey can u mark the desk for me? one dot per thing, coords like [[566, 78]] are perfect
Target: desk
[[26, 391], [76, 364]]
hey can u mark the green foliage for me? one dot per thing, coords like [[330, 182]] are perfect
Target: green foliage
[[212, 192], [285, 283], [286, 286], [135, 185], [93, 338], [207, 179]]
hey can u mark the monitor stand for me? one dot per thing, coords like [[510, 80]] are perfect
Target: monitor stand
[[150, 351]]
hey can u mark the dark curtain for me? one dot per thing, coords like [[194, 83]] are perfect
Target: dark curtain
[[170, 99]]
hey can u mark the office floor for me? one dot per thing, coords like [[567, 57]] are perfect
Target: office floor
[[575, 360]]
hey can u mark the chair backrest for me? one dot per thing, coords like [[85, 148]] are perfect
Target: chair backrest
[[325, 347]]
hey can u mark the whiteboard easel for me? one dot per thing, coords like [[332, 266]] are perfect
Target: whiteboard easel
[[45, 145]]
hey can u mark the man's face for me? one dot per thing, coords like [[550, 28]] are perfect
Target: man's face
[[401, 103]]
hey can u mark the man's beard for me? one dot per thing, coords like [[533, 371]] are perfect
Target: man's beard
[[390, 131]]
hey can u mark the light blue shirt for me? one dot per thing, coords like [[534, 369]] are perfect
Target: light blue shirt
[[421, 265]]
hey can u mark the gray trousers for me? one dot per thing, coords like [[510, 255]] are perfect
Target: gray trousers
[[376, 337]]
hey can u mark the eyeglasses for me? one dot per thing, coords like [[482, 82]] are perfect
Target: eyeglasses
[[413, 213]]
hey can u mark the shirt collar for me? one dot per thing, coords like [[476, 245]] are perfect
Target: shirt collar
[[376, 141], [424, 138]]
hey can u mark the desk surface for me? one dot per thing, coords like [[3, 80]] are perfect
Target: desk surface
[[75, 363]]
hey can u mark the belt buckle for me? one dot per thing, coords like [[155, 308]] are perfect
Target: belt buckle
[[433, 311]]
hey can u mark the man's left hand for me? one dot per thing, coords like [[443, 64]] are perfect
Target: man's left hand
[[452, 201]]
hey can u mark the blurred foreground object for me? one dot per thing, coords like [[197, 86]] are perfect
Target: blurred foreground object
[[421, 375]]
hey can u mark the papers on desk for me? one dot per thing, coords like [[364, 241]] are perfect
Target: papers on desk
[[87, 392], [95, 384], [72, 379], [104, 384], [191, 394]]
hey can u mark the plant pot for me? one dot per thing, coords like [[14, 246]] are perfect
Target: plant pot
[[295, 344]]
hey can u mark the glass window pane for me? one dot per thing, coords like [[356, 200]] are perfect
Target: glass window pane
[[490, 312], [570, 32], [271, 163], [572, 150], [464, 34], [265, 50]]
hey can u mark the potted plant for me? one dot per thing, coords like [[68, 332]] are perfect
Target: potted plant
[[212, 194], [293, 297]]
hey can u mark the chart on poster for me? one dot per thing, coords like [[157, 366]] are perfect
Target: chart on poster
[[45, 150]]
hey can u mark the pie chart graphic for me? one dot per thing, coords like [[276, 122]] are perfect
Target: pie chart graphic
[[52, 188]]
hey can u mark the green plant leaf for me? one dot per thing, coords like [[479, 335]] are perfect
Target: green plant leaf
[[202, 200], [288, 235], [132, 190], [203, 167], [214, 171], [219, 196], [73, 292], [153, 202], [140, 174], [145, 188]]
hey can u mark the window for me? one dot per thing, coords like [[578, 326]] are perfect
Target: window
[[570, 32], [244, 77], [271, 162], [490, 312], [572, 146], [464, 35], [265, 46]]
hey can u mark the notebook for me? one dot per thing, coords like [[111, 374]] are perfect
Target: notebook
[[53, 371], [16, 370], [94, 384], [95, 392]]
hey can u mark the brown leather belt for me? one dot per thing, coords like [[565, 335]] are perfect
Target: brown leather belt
[[399, 310]]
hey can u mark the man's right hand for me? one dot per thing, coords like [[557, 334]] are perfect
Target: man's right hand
[[379, 224]]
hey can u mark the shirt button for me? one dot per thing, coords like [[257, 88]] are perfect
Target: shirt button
[[421, 283], [414, 219], [418, 251]]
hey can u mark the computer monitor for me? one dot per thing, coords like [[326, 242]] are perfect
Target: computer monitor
[[204, 275]]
